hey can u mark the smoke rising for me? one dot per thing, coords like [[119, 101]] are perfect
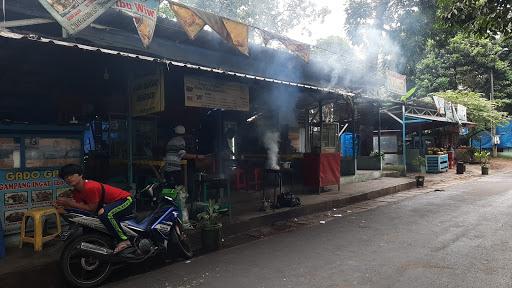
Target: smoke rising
[[271, 141], [360, 67]]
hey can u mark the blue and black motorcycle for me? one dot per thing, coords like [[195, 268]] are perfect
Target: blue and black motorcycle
[[88, 255]]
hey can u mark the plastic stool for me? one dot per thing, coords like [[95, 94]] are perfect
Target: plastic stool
[[240, 181], [37, 214]]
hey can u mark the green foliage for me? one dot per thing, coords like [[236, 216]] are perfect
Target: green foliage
[[486, 18], [210, 217], [409, 94], [482, 157], [480, 110], [275, 16], [420, 162], [466, 62]]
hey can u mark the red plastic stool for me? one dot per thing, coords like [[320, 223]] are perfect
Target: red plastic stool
[[240, 181]]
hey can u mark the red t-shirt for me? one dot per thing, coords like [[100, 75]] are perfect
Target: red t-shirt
[[92, 193]]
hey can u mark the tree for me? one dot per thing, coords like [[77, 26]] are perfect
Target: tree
[[485, 18], [275, 16], [465, 63], [406, 23]]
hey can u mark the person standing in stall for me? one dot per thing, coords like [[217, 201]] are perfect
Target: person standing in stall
[[175, 151]]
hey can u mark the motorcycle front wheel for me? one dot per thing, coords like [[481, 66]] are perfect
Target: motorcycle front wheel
[[179, 246], [81, 269]]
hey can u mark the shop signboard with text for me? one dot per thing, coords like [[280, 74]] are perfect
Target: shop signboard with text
[[147, 94], [21, 190], [396, 83], [210, 93]]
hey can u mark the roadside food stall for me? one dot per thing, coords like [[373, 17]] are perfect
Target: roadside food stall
[[30, 156]]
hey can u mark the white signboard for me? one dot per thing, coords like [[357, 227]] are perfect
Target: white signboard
[[396, 83], [210, 93]]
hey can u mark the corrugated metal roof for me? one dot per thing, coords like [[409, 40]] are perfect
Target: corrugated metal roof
[[437, 118], [33, 37]]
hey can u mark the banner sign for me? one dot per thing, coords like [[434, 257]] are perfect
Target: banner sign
[[75, 15], [210, 93], [439, 105], [461, 112], [21, 190], [147, 94], [396, 83], [144, 13]]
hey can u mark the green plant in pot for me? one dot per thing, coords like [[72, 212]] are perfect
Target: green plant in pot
[[420, 162], [483, 158], [211, 226]]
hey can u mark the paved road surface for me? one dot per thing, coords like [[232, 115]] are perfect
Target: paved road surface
[[459, 237]]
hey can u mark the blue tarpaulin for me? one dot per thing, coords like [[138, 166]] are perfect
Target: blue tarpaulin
[[484, 138]]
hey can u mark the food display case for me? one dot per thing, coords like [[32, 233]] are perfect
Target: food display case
[[30, 157]]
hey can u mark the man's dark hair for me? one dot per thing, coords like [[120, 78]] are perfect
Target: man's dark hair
[[70, 169]]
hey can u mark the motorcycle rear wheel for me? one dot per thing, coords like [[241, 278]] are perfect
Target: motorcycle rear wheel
[[82, 270], [179, 246]]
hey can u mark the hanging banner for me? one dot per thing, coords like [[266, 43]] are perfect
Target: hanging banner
[[210, 93], [147, 94], [450, 115], [144, 13], [239, 34], [75, 15], [193, 20], [21, 190], [396, 83], [462, 112], [301, 49], [439, 105], [190, 22]]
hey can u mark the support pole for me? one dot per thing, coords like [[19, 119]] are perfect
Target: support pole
[[493, 127], [130, 139], [404, 147], [379, 135]]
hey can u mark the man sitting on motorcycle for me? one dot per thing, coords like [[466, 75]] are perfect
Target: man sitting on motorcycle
[[110, 203]]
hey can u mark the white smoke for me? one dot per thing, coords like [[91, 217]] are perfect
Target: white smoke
[[271, 142]]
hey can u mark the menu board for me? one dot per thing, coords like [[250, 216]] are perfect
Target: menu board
[[21, 190], [211, 93]]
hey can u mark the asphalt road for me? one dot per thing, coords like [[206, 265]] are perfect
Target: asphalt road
[[459, 237]]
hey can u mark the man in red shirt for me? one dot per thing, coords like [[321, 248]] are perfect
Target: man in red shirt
[[110, 203]]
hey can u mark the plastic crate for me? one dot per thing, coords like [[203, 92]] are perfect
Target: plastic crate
[[436, 163]]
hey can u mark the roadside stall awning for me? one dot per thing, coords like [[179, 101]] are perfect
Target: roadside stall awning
[[430, 118]]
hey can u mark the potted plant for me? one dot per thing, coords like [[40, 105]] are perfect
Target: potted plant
[[483, 158], [211, 226], [420, 162]]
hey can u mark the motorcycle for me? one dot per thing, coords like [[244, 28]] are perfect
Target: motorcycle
[[88, 255]]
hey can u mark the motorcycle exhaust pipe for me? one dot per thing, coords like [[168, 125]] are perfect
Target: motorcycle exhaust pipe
[[96, 250]]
